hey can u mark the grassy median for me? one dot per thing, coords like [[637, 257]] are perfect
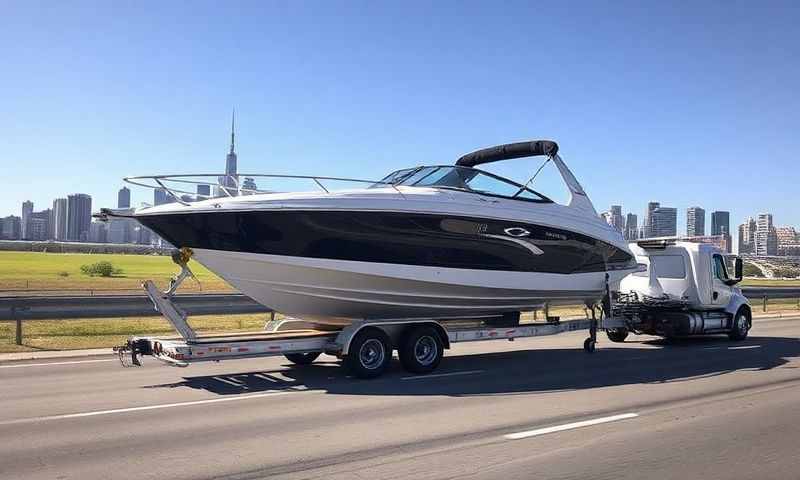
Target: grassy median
[[36, 272]]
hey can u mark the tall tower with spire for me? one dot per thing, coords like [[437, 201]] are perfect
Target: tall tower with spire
[[230, 160], [229, 183]]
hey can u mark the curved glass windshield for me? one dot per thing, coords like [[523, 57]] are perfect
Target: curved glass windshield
[[462, 178]]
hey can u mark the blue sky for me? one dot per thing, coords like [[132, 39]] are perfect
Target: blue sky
[[687, 103]]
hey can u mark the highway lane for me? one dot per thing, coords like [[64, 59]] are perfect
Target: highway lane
[[524, 409]]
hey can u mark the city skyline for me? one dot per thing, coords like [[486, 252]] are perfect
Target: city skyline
[[631, 124]]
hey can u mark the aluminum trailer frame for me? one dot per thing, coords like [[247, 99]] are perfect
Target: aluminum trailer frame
[[366, 345]]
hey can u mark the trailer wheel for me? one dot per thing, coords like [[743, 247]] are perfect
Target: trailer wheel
[[369, 354], [302, 358], [741, 325], [421, 350], [617, 335]]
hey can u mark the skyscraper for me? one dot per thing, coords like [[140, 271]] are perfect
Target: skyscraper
[[58, 224], [720, 223], [747, 236], [27, 209], [159, 196], [616, 219], [79, 217], [664, 222], [766, 235], [124, 198], [39, 225], [695, 222], [631, 230], [231, 180], [647, 226], [10, 228]]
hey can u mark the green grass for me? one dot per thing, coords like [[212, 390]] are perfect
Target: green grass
[[36, 271], [767, 282], [99, 333]]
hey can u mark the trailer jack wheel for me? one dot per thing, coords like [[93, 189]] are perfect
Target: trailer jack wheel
[[589, 345]]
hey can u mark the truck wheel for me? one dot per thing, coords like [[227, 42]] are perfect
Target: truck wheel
[[369, 354], [302, 358], [741, 325], [421, 350], [617, 335]]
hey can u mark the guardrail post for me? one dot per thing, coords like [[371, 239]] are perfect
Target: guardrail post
[[19, 325], [765, 303]]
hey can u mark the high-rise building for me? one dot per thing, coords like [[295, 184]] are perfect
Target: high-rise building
[[664, 222], [249, 185], [58, 222], [766, 236], [10, 228], [647, 226], [38, 227], [160, 197], [747, 236], [204, 191], [98, 232], [720, 223], [787, 240], [631, 230], [79, 217], [27, 209], [124, 198], [616, 219], [695, 222], [230, 181]]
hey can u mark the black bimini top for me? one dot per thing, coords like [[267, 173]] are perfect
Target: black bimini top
[[508, 151]]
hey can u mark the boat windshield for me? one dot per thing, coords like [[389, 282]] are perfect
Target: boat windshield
[[462, 178]]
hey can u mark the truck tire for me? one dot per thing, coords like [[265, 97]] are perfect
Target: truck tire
[[302, 358], [369, 354], [740, 326], [617, 335], [421, 350]]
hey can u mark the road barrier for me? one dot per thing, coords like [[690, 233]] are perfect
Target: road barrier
[[20, 309]]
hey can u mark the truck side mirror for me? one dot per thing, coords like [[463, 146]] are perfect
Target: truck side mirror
[[738, 268]]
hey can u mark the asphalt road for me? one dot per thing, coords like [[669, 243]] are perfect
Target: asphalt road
[[535, 408]]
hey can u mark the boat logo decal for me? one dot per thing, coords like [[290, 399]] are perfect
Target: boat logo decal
[[517, 232]]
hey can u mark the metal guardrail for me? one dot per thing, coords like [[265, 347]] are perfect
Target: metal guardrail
[[20, 309]]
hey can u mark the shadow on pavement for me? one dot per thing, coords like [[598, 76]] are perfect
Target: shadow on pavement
[[523, 371]]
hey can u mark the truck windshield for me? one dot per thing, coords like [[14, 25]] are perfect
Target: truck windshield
[[462, 178]]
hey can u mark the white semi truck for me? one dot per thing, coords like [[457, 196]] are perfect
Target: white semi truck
[[681, 289]]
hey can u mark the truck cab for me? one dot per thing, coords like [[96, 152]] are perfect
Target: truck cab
[[684, 288]]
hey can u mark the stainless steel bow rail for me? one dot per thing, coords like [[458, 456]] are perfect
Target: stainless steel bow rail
[[233, 187]]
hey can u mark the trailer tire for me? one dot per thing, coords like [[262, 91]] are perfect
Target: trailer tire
[[421, 350], [302, 358], [740, 326], [617, 335], [369, 354]]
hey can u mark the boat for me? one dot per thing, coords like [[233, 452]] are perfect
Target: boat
[[451, 242]]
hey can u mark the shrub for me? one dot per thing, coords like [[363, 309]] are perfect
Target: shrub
[[63, 274], [103, 269]]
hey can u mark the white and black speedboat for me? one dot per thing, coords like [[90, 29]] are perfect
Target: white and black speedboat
[[444, 241]]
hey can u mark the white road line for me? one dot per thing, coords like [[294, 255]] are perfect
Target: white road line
[[439, 375], [58, 363], [273, 393], [568, 426], [232, 382], [744, 347]]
